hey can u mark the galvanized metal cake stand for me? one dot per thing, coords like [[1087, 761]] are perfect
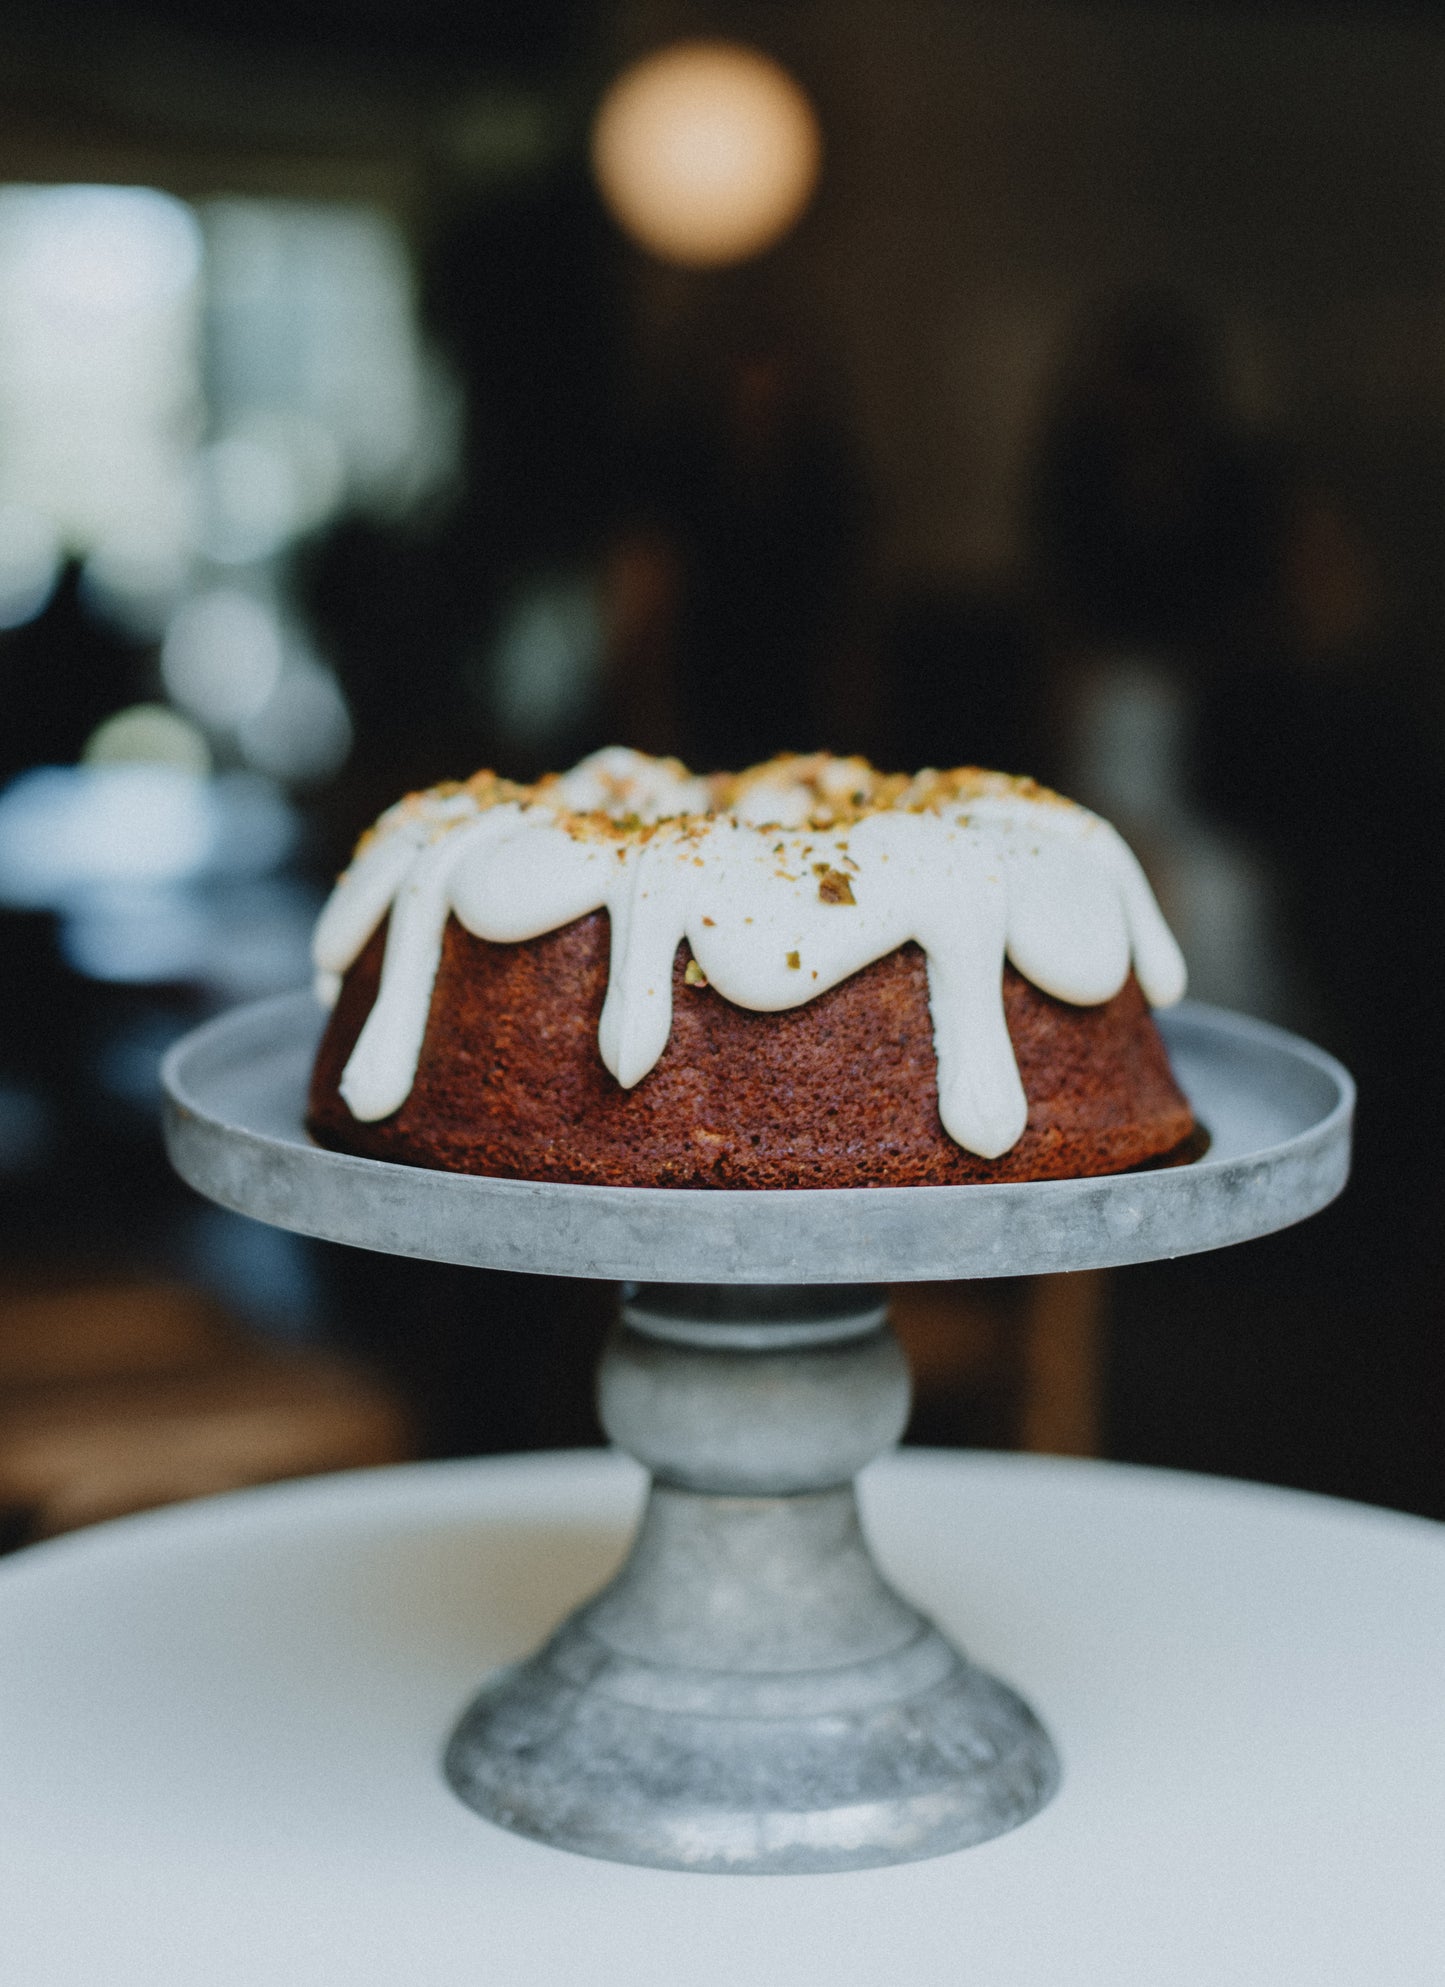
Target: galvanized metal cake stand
[[749, 1693]]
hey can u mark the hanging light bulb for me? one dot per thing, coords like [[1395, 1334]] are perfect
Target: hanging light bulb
[[706, 152]]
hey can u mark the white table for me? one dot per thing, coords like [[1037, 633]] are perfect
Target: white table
[[220, 1725]]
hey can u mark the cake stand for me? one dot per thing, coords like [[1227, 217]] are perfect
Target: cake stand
[[749, 1694]]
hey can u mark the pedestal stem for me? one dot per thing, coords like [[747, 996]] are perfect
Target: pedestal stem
[[749, 1693]]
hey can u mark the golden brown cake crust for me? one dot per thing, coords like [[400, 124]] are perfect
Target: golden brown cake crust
[[838, 1092]]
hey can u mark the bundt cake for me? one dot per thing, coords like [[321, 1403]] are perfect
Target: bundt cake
[[809, 974]]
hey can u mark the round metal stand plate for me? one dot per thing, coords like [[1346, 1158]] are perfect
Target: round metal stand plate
[[1277, 1110]]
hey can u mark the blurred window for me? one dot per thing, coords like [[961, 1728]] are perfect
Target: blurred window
[[186, 392]]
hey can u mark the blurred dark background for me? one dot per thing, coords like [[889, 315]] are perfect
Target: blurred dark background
[[1090, 422]]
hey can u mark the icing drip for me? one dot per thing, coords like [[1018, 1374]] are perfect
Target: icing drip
[[783, 880]]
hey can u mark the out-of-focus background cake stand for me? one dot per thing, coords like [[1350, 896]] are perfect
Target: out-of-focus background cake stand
[[749, 1694]]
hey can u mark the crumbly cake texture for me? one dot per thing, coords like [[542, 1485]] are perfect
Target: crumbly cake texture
[[839, 1092]]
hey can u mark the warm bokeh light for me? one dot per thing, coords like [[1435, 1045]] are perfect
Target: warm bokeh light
[[706, 152]]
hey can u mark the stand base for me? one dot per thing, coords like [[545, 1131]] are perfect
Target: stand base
[[843, 1733]]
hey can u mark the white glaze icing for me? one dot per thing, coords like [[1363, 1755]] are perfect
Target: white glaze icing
[[783, 880]]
